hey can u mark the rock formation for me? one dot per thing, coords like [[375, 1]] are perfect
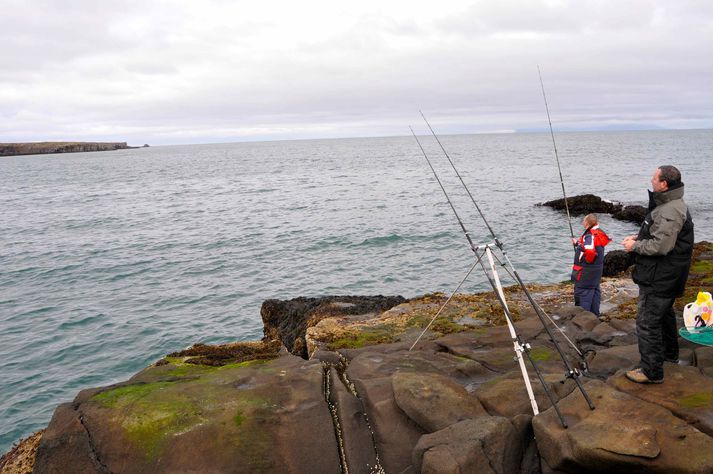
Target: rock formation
[[583, 204], [287, 321], [589, 203], [617, 261], [633, 213], [9, 149], [455, 403]]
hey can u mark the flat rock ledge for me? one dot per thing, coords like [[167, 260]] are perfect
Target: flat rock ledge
[[455, 403]]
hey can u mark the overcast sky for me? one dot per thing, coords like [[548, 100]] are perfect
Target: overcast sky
[[163, 72]]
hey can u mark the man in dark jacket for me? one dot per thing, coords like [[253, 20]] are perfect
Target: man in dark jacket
[[663, 249]]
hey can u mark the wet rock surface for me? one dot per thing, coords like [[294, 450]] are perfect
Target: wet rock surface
[[453, 402]]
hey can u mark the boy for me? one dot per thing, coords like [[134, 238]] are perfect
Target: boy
[[589, 264]]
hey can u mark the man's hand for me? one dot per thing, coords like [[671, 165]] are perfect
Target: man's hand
[[628, 242]]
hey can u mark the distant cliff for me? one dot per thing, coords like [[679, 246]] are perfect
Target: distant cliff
[[9, 149]]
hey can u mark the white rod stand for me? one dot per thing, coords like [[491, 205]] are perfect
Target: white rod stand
[[516, 345]]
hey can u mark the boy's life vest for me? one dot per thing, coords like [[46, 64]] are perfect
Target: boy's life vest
[[589, 258]]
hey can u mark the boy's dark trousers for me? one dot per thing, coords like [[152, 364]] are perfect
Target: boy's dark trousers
[[588, 298]]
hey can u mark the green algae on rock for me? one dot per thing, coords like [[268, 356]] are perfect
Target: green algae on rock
[[199, 423]]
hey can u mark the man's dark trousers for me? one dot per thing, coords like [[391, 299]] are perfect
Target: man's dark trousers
[[656, 327]]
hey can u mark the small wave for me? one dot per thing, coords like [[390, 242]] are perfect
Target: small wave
[[82, 322], [163, 246], [394, 238], [149, 331], [205, 271], [182, 301], [37, 312], [262, 190], [122, 276], [328, 242], [219, 244], [123, 266], [58, 270], [436, 236], [22, 271], [360, 284], [381, 241], [76, 224]]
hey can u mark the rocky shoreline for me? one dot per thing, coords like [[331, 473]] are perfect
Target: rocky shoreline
[[41, 148], [333, 387]]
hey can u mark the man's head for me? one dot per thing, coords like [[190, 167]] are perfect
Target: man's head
[[665, 177], [590, 220]]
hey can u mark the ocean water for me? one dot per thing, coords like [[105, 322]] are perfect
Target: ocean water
[[110, 260]]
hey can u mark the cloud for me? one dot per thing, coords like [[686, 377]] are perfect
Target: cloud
[[180, 71]]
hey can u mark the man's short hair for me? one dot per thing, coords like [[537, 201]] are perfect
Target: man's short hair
[[671, 175], [591, 219]]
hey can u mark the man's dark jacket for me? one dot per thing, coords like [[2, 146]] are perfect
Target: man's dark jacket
[[664, 245]]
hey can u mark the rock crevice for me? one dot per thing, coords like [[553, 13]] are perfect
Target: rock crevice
[[101, 467]]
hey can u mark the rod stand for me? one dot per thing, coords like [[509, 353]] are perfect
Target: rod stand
[[519, 346]]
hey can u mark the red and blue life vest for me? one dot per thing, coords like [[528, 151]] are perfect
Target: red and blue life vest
[[589, 258]]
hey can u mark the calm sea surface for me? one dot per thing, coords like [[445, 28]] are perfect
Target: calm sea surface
[[108, 261]]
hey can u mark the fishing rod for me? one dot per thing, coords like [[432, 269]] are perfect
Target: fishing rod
[[570, 371], [520, 347], [554, 144]]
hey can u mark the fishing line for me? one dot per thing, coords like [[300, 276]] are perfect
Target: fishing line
[[445, 304]]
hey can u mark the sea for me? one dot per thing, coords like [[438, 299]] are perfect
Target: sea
[[110, 260]]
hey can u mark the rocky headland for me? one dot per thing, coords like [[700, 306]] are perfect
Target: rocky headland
[[333, 387], [40, 148]]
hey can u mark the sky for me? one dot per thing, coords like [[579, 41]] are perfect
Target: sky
[[209, 71]]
